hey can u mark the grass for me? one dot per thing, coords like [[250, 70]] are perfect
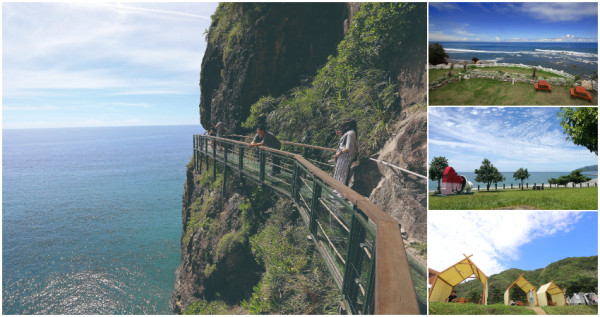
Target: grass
[[550, 198], [475, 309], [492, 92], [571, 310], [437, 73]]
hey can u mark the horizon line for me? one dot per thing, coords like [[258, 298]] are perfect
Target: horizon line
[[108, 126]]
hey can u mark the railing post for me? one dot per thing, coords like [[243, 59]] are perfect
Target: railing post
[[295, 183], [241, 160], [369, 306], [316, 194], [261, 159], [214, 146], [353, 264], [224, 168]]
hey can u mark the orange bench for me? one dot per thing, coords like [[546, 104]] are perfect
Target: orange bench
[[580, 92], [543, 85]]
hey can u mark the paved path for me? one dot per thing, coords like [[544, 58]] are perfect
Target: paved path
[[537, 310]]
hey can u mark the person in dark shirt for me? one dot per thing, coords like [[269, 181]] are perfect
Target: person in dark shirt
[[267, 139], [451, 298]]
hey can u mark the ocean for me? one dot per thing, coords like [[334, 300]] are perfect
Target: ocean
[[573, 58], [91, 218], [536, 177]]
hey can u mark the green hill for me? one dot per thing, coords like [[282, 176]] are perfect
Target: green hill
[[589, 168], [571, 273]]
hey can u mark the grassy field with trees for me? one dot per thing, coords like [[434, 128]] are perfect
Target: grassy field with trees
[[549, 198]]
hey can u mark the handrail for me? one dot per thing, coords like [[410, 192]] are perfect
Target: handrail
[[386, 284], [292, 143]]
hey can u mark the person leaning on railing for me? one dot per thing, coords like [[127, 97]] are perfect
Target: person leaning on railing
[[267, 139], [346, 152]]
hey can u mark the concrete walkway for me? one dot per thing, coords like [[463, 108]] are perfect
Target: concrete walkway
[[537, 310]]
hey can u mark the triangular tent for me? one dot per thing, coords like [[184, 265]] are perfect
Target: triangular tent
[[524, 285], [445, 281], [556, 295]]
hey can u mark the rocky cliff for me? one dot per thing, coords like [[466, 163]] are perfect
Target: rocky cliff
[[257, 50], [301, 68]]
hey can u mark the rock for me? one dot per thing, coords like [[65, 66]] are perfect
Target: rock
[[587, 84], [479, 62]]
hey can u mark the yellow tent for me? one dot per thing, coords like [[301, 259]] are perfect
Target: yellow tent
[[556, 294], [523, 284], [444, 282]]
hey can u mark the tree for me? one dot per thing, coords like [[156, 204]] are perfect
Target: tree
[[521, 174], [488, 174], [437, 54], [581, 126], [436, 169], [576, 177], [581, 283]]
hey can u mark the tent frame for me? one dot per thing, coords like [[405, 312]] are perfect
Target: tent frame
[[535, 298], [551, 295], [474, 268]]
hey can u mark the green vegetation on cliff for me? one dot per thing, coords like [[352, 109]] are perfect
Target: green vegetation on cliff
[[354, 84], [253, 230]]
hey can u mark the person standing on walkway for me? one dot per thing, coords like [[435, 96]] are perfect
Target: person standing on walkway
[[267, 139], [346, 151], [531, 302]]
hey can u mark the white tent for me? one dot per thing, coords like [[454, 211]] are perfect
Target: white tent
[[577, 300], [556, 295]]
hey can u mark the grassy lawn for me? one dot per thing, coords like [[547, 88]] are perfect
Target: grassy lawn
[[492, 92], [437, 73], [571, 310], [474, 309], [549, 198]]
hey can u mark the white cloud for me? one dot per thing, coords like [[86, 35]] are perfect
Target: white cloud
[[445, 6], [497, 38], [493, 237], [509, 138], [560, 11]]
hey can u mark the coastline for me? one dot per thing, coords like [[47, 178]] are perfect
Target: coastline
[[592, 183], [484, 64]]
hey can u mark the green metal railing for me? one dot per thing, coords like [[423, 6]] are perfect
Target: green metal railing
[[361, 246]]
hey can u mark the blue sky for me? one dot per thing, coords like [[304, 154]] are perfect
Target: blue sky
[[510, 137], [508, 22], [84, 64], [500, 240]]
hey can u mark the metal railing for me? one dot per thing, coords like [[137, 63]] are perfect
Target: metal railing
[[361, 245]]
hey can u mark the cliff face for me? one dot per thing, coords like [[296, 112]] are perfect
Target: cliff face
[[259, 50], [281, 45]]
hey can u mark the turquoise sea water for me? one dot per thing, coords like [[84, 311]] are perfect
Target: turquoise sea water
[[91, 218], [536, 177]]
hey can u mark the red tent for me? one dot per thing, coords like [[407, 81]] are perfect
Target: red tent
[[452, 182]]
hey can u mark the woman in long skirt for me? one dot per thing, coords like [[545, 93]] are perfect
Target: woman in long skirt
[[346, 152]]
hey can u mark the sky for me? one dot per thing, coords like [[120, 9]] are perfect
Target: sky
[[513, 22], [84, 64], [501, 240], [510, 137]]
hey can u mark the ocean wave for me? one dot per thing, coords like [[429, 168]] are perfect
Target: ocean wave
[[537, 51], [570, 53], [464, 50]]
